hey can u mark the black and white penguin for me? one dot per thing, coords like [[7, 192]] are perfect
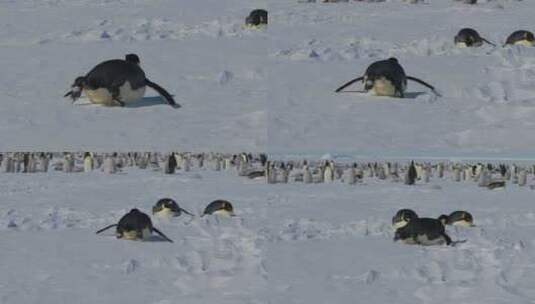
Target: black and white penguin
[[135, 225], [423, 231], [257, 17], [468, 37], [458, 218], [412, 174], [402, 218], [525, 38], [386, 78], [219, 207], [115, 82], [167, 207]]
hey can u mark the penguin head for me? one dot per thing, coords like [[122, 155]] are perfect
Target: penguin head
[[403, 217], [133, 58], [393, 60], [76, 88], [166, 206], [220, 207]]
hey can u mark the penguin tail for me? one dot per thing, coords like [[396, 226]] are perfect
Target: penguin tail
[[424, 84], [488, 42], [106, 228], [187, 212], [168, 98], [162, 235], [352, 81]]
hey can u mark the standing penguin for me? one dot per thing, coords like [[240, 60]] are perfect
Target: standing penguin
[[411, 176], [135, 225], [468, 37], [115, 82], [167, 207], [219, 207], [257, 17], [386, 78], [88, 162], [525, 38], [171, 165]]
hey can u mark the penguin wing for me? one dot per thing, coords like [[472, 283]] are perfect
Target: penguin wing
[[168, 98]]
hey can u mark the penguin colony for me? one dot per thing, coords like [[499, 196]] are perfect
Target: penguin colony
[[258, 167]]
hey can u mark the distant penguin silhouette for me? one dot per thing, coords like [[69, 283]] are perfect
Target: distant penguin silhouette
[[411, 174], [386, 78], [116, 82], [135, 225]]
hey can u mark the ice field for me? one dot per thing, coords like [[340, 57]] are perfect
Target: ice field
[[289, 243]]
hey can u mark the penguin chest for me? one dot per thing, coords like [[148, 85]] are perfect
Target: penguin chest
[[524, 42], [104, 96], [462, 223], [134, 235], [222, 213], [166, 213], [384, 87]]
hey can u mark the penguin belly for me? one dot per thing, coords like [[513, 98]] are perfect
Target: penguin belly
[[461, 45], [132, 235], [524, 42], [383, 87], [126, 94], [423, 239]]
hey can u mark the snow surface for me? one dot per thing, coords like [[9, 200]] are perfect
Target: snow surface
[[290, 243]]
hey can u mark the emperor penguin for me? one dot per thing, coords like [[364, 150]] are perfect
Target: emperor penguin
[[402, 218], [423, 231], [116, 82], [458, 218], [468, 37], [386, 78], [412, 174], [521, 37], [135, 225], [167, 207], [328, 172], [219, 207], [258, 17], [88, 162]]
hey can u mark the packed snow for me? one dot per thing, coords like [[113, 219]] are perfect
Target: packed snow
[[288, 243]]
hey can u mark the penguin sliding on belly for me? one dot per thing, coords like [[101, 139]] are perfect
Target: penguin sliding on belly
[[167, 207], [525, 38], [116, 82], [458, 218], [219, 207], [423, 231], [135, 225], [386, 78], [468, 37]]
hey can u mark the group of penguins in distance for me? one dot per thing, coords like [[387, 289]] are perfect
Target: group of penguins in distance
[[413, 230], [136, 225], [118, 82], [121, 81]]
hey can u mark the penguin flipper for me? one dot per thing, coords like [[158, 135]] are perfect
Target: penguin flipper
[[424, 84], [162, 235], [168, 98], [488, 42], [447, 238], [106, 228], [349, 83], [186, 212]]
